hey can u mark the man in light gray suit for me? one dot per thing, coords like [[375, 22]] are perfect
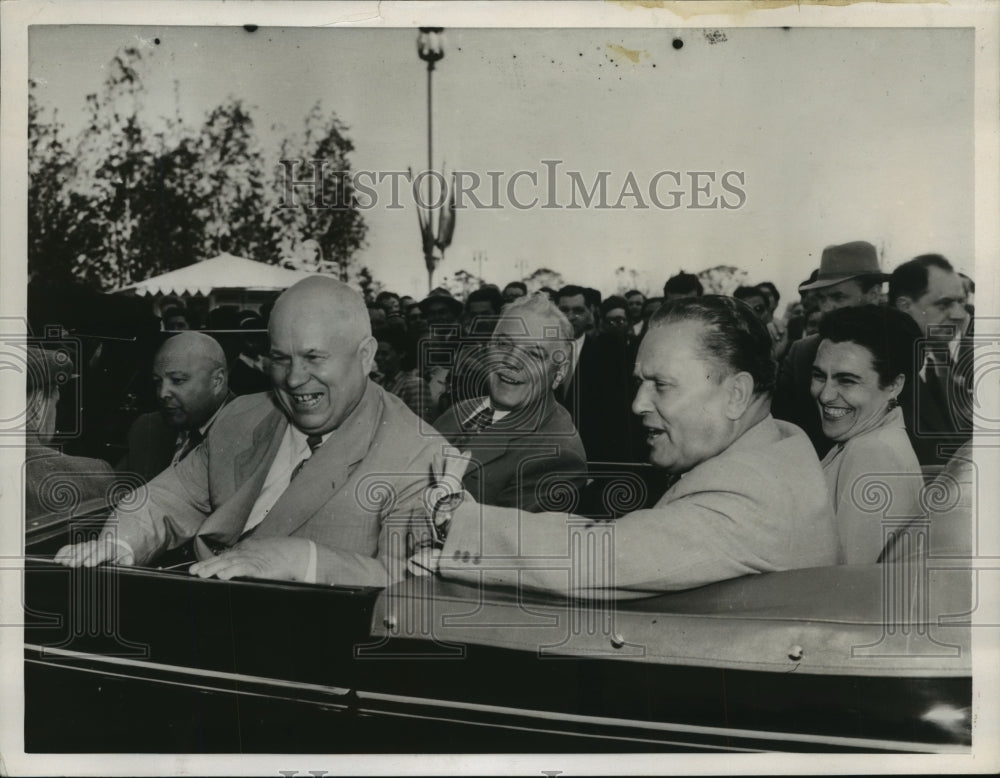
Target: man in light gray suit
[[304, 483], [749, 497]]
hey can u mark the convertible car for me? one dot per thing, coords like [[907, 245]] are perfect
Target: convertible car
[[872, 658]]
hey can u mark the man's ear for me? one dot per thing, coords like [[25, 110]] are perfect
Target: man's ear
[[903, 303], [220, 383], [897, 385], [560, 375], [741, 388], [366, 353]]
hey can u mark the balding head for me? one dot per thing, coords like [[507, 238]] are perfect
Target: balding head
[[322, 351], [189, 376], [341, 308]]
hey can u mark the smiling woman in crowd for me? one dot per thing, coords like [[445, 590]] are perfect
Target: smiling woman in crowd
[[863, 366]]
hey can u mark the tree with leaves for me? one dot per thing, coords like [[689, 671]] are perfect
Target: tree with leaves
[[543, 276], [327, 216], [627, 279], [126, 202], [722, 279], [461, 283]]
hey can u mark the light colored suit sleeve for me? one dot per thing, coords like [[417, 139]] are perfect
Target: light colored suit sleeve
[[401, 519], [731, 517], [686, 543], [165, 512], [875, 479]]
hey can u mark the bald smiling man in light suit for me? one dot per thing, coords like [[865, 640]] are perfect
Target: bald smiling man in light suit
[[302, 483]]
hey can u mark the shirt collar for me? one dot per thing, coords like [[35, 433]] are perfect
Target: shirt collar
[[482, 405], [356, 431]]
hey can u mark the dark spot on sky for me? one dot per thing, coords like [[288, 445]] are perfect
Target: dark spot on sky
[[654, 64], [515, 56], [156, 41], [581, 53], [678, 43], [250, 27]]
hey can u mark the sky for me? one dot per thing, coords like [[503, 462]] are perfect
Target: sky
[[832, 135]]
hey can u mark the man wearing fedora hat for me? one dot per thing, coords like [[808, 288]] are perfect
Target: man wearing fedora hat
[[440, 308], [849, 275]]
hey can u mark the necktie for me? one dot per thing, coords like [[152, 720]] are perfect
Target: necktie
[[480, 421], [194, 437], [313, 442]]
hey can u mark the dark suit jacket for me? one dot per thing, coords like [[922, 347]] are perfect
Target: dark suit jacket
[[524, 460], [599, 399], [942, 422], [151, 445], [792, 400], [355, 498]]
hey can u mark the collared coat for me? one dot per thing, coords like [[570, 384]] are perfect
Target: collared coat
[[357, 497], [759, 506]]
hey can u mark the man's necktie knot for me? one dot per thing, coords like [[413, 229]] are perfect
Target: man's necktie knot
[[313, 441], [194, 437]]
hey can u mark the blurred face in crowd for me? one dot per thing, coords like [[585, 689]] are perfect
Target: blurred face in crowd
[[376, 315], [652, 306], [390, 305], [939, 312], [635, 303], [684, 397], [189, 378], [478, 315], [511, 293], [527, 358], [847, 391], [321, 353], [760, 307], [175, 321], [439, 312], [437, 383], [812, 322], [415, 318], [575, 309], [387, 359], [846, 294], [615, 320]]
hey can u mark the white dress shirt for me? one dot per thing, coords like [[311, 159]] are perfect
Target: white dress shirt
[[497, 414], [292, 450]]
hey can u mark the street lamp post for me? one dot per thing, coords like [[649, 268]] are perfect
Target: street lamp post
[[430, 48]]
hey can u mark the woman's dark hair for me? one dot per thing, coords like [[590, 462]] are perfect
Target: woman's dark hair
[[888, 334], [733, 335]]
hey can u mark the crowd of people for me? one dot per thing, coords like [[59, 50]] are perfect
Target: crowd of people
[[505, 403]]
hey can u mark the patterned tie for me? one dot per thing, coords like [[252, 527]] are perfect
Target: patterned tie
[[480, 421], [313, 441]]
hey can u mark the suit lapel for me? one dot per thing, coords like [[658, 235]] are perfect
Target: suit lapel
[[250, 470], [327, 470]]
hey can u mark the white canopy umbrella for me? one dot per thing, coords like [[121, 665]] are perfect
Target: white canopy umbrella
[[222, 272]]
